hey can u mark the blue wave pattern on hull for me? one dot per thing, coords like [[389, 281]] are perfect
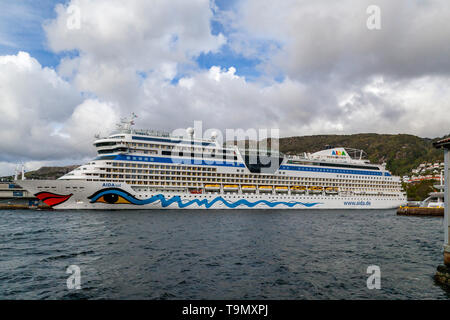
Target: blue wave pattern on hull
[[204, 202]]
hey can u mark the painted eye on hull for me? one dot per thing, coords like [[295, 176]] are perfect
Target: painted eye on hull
[[111, 196], [112, 199]]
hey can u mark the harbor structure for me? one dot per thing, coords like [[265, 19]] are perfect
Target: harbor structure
[[433, 205], [13, 196], [443, 272]]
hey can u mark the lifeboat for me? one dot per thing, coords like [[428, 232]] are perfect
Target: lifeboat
[[331, 190], [315, 189], [265, 188], [248, 188], [196, 191], [298, 189], [212, 187], [230, 187], [281, 189]]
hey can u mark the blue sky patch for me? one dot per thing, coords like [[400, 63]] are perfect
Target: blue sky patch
[[21, 30]]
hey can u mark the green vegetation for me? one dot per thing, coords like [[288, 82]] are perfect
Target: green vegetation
[[419, 191]]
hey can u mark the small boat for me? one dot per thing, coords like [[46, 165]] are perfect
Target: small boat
[[196, 191], [281, 189], [331, 190], [298, 189], [265, 188], [212, 187], [248, 188], [230, 187], [315, 189], [435, 199]]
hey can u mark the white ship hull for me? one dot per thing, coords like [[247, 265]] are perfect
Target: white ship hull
[[66, 194], [141, 169]]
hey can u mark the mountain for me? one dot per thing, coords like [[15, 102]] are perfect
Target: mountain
[[46, 173], [49, 173]]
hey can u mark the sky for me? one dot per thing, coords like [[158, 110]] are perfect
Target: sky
[[72, 69]]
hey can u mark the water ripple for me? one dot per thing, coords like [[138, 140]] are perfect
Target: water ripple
[[240, 254]]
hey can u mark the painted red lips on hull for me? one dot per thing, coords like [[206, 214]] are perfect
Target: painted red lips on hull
[[52, 199]]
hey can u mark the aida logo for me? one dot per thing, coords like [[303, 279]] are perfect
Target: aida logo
[[338, 153], [117, 185]]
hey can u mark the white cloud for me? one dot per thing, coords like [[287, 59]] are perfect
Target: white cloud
[[32, 100], [222, 100], [321, 40], [121, 45], [339, 77], [88, 119], [142, 35], [7, 168], [37, 105], [415, 106]]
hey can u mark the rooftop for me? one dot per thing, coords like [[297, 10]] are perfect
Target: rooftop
[[444, 143]]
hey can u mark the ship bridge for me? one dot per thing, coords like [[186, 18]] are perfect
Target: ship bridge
[[262, 160]]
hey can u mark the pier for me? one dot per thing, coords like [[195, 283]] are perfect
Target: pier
[[13, 196], [443, 272], [420, 211]]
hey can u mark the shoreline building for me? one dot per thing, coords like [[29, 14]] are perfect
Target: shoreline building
[[12, 194]]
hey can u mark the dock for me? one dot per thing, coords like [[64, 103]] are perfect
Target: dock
[[24, 207], [14, 197], [420, 211], [442, 275]]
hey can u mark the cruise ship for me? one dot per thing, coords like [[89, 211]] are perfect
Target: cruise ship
[[144, 169]]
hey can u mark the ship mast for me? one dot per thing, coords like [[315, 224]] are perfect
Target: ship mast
[[126, 123]]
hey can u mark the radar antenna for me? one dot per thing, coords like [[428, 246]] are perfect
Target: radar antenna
[[126, 123]]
